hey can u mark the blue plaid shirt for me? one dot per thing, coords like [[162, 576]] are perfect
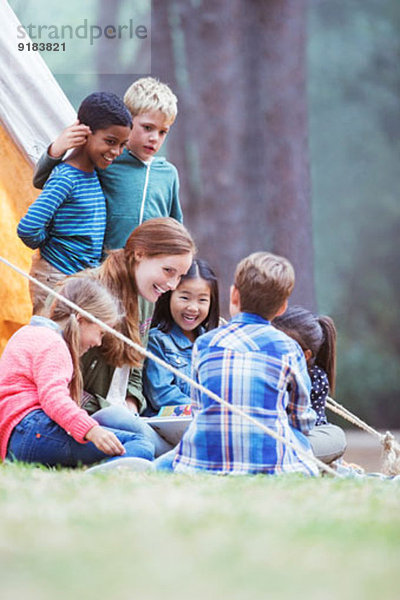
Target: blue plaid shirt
[[262, 371]]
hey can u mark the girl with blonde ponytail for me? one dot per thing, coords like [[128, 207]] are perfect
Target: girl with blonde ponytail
[[41, 419]]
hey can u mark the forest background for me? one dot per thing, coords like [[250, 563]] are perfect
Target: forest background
[[287, 139]]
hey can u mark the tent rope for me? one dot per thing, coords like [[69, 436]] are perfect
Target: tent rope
[[390, 446], [144, 352]]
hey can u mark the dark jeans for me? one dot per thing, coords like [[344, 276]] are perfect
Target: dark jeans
[[38, 439]]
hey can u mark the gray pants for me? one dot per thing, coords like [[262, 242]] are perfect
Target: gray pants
[[45, 273], [328, 442]]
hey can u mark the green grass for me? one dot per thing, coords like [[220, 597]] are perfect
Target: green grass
[[70, 535]]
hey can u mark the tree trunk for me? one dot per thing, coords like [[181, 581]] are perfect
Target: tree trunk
[[240, 141]]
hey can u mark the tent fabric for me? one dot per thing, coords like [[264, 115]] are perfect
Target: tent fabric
[[33, 110], [16, 193], [33, 107]]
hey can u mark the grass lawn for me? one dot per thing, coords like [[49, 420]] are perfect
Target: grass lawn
[[67, 535]]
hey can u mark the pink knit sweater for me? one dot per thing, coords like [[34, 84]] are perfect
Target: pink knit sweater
[[35, 370]]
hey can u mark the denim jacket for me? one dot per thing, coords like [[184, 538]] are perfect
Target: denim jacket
[[161, 387]]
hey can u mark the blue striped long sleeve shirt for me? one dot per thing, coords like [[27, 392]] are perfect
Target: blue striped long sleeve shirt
[[67, 221], [263, 372]]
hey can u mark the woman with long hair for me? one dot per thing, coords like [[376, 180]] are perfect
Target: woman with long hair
[[155, 257]]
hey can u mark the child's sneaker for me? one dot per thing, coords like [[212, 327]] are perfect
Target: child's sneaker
[[130, 463], [346, 469]]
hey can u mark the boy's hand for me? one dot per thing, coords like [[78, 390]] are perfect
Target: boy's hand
[[105, 441], [71, 137]]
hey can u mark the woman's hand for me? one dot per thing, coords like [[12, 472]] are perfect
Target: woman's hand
[[71, 137], [105, 441]]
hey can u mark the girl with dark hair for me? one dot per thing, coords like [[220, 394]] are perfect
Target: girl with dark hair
[[317, 337], [179, 318]]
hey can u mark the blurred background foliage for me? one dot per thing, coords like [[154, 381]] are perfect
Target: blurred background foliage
[[353, 89], [354, 133]]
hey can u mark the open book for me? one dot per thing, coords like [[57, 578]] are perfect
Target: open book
[[171, 422]]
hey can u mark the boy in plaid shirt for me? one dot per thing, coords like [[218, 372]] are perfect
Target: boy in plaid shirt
[[258, 369]]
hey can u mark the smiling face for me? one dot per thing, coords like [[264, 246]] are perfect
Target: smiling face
[[148, 134], [155, 275], [190, 305], [104, 145]]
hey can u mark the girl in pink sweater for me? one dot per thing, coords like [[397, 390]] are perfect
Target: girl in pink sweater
[[41, 386]]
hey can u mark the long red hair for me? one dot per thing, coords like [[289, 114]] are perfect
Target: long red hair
[[154, 237]]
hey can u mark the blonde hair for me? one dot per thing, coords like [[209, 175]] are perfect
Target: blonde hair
[[154, 237], [147, 94], [264, 281], [95, 299]]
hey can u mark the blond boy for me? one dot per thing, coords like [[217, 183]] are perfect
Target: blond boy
[[139, 185]]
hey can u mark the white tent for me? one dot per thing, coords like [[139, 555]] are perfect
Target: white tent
[[33, 110]]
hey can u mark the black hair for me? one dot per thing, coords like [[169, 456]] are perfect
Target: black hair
[[199, 269], [103, 109], [312, 332]]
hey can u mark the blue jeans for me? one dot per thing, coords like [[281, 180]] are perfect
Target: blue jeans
[[38, 439], [120, 417], [164, 462]]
